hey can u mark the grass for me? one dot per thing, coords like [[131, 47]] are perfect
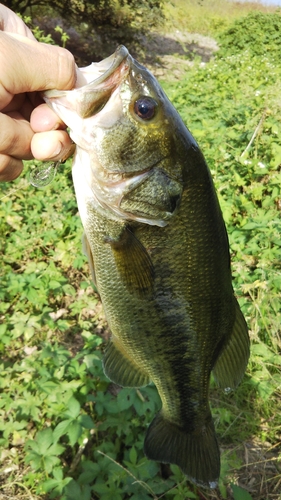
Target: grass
[[61, 434], [208, 17]]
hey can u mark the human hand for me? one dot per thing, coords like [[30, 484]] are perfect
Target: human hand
[[29, 129]]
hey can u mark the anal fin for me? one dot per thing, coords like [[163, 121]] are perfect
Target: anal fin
[[121, 369], [232, 361]]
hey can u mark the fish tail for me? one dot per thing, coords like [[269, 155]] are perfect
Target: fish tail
[[196, 453]]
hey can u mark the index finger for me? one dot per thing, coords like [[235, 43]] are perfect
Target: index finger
[[9, 21], [27, 66]]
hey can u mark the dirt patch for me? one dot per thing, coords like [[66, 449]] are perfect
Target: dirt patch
[[170, 55], [260, 472]]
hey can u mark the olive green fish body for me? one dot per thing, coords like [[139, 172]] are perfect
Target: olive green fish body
[[169, 327], [159, 255]]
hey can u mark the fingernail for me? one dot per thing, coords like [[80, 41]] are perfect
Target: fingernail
[[57, 151], [68, 152]]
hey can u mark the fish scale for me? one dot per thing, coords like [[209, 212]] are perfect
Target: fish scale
[[159, 255]]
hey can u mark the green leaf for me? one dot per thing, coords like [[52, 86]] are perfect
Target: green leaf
[[61, 429], [44, 439], [240, 493], [133, 455], [69, 290], [53, 284], [58, 474], [55, 449], [125, 399], [86, 421], [73, 408], [74, 491], [101, 488], [74, 432], [50, 462]]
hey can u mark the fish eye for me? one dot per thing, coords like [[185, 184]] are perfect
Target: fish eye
[[145, 108]]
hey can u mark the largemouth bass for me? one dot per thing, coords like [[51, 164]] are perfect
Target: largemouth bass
[[159, 255]]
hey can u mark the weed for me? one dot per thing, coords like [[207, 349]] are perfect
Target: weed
[[61, 433]]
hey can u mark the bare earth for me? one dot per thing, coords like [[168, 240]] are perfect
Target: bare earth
[[170, 55]]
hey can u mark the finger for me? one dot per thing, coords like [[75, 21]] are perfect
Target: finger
[[10, 168], [43, 118], [28, 66], [9, 21], [20, 103], [53, 145], [15, 104], [15, 136]]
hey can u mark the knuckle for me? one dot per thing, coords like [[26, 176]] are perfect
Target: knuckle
[[15, 136], [10, 168], [65, 78]]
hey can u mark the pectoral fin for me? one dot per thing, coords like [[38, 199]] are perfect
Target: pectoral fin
[[133, 263], [232, 362], [88, 252], [121, 368]]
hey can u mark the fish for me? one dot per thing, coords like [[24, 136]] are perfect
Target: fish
[[159, 255]]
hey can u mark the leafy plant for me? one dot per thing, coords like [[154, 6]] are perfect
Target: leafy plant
[[65, 431], [257, 33]]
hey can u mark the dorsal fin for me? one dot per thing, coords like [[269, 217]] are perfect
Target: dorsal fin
[[232, 362]]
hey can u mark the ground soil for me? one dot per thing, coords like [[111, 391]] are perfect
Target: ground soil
[[169, 55]]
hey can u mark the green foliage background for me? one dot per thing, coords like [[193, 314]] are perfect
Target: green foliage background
[[65, 431], [95, 25]]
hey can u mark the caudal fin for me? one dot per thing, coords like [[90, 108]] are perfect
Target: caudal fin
[[197, 453]]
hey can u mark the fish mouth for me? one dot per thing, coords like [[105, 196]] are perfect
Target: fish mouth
[[106, 67], [94, 85]]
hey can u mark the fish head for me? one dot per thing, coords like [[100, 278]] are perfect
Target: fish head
[[127, 135]]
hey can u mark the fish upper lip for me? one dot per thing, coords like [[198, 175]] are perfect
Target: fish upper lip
[[119, 56], [105, 79]]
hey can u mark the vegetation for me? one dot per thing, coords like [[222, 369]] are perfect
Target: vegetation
[[65, 431], [257, 33], [94, 25], [209, 17], [100, 12]]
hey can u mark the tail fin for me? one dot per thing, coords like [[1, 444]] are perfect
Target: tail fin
[[197, 453]]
